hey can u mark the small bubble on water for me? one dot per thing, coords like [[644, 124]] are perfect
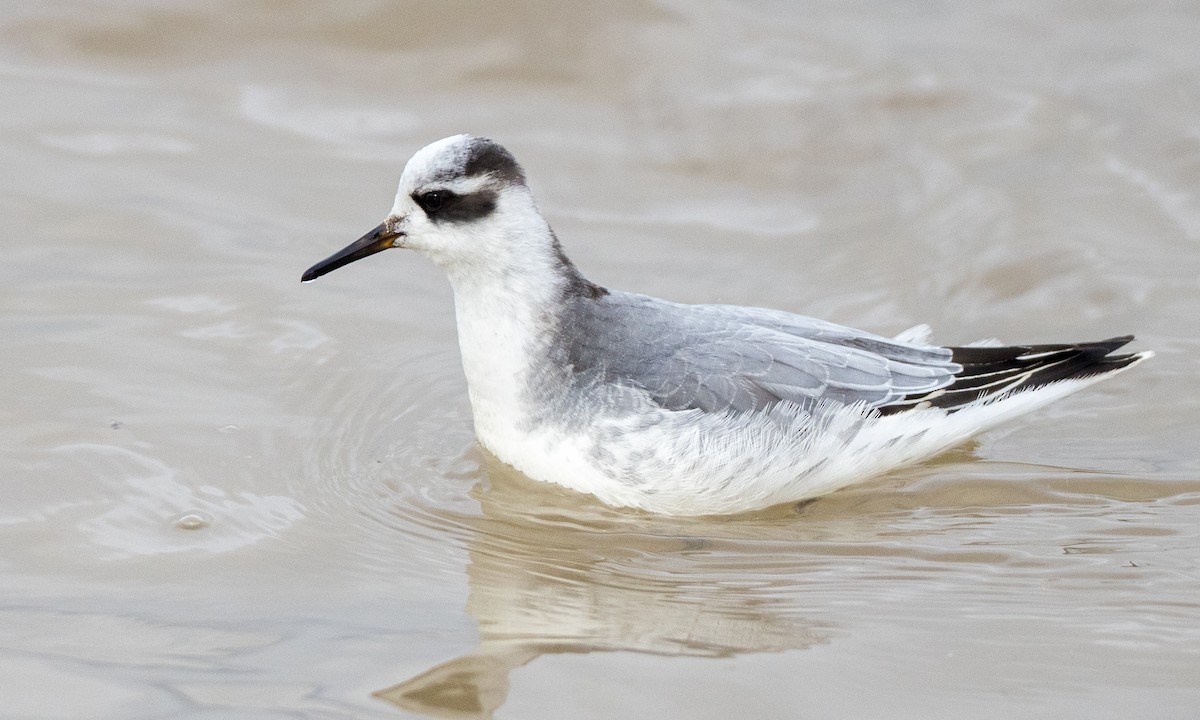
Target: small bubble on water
[[192, 521]]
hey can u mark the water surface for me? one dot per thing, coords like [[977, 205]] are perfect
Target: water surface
[[226, 494]]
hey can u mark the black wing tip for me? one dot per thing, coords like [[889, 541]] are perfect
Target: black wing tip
[[1112, 363], [989, 372], [1110, 344]]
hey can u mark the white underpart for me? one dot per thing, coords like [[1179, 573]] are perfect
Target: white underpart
[[494, 322], [694, 463]]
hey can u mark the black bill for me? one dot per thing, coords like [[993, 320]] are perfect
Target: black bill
[[375, 241]]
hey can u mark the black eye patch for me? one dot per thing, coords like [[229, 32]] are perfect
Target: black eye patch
[[445, 206]]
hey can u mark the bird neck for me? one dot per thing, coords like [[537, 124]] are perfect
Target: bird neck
[[508, 315]]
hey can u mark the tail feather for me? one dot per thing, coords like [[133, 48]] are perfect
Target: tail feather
[[995, 371]]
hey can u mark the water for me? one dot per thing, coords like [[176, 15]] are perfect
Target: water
[[226, 494]]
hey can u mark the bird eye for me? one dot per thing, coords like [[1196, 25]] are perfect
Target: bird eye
[[432, 201]]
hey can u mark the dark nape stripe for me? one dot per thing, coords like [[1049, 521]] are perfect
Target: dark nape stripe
[[485, 156], [577, 285]]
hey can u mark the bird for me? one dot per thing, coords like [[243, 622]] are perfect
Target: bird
[[678, 409]]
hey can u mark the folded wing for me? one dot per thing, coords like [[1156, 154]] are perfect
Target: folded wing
[[720, 358]]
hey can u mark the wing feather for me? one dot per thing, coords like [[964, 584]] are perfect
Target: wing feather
[[719, 358]]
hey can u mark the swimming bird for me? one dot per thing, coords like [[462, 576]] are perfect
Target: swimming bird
[[684, 409]]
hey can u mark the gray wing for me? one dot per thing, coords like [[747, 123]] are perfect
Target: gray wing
[[722, 357]]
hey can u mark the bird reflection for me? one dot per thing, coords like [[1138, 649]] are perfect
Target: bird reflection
[[550, 572]]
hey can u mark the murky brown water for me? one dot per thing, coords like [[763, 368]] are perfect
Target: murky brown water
[[227, 495]]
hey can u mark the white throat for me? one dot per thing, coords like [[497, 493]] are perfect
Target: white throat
[[506, 312]]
